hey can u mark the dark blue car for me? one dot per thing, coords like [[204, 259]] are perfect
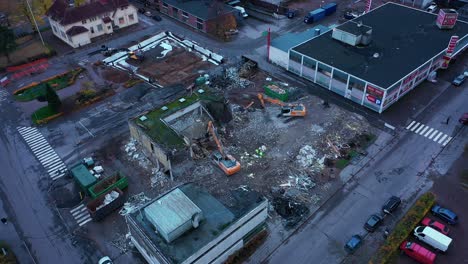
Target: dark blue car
[[353, 244], [445, 214]]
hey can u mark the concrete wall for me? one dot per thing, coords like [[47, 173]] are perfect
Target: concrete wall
[[279, 57], [224, 245], [151, 149], [80, 40]]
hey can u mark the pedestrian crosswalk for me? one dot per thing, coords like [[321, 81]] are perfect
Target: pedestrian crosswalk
[[81, 214], [43, 152], [429, 133], [3, 95]]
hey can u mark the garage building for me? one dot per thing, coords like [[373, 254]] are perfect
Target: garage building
[[377, 58]]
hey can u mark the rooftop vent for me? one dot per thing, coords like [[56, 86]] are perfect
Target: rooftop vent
[[353, 33], [182, 100], [164, 108], [200, 91], [143, 118]]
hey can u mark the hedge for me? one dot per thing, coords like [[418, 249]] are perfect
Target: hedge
[[44, 115], [404, 228]]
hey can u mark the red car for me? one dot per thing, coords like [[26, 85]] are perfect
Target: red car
[[463, 119], [436, 225], [417, 252]]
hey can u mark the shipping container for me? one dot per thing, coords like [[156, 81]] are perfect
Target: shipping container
[[330, 8], [275, 91], [314, 16], [105, 204], [117, 180], [83, 177]]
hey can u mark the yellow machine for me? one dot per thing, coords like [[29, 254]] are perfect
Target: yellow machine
[[286, 109]]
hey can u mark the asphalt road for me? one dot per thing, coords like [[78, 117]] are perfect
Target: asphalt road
[[402, 171]]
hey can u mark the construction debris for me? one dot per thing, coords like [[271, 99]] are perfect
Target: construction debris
[[291, 211], [108, 198], [133, 203]]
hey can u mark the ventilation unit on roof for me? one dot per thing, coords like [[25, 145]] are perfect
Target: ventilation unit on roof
[[353, 33]]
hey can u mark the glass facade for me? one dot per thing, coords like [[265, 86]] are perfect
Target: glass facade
[[295, 60], [339, 82], [357, 89], [323, 75], [309, 68]]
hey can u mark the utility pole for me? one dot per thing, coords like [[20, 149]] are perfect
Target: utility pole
[[35, 22]]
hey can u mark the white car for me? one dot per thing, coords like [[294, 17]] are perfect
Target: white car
[[431, 8], [105, 260]]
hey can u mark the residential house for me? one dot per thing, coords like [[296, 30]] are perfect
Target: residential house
[[77, 26], [213, 17]]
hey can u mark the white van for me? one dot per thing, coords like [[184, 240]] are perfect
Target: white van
[[242, 11], [433, 238]]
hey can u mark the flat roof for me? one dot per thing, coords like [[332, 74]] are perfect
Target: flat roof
[[216, 218], [291, 39], [354, 27], [403, 37]]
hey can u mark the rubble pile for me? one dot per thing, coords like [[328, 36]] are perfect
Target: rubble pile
[[291, 211], [108, 198], [133, 203], [307, 159]]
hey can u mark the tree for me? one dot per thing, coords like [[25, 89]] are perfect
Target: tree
[[52, 98], [7, 42], [39, 9]]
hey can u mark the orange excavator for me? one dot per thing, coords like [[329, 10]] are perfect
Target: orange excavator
[[287, 110], [226, 162]]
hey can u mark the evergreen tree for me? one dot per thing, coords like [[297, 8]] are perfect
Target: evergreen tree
[[52, 98]]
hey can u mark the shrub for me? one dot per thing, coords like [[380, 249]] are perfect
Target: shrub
[[404, 228]]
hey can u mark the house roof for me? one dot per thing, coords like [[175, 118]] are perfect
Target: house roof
[[404, 39], [203, 9], [76, 30], [289, 40], [63, 13]]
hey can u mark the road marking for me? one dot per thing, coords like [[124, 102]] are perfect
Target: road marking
[[428, 132], [442, 139], [433, 134], [419, 129], [408, 127], [424, 130], [447, 141], [43, 152], [440, 134], [86, 128], [390, 126], [76, 208], [412, 129], [81, 215]]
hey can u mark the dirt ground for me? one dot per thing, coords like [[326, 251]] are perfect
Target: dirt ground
[[177, 66], [115, 76], [290, 161]]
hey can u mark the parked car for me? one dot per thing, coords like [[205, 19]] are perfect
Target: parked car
[[436, 225], [445, 214], [463, 119], [373, 222], [350, 15], [148, 14], [156, 17], [459, 80], [433, 238], [353, 244], [391, 205], [417, 252], [105, 260], [432, 8]]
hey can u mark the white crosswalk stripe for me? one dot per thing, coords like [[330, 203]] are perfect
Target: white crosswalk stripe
[[3, 95], [43, 152], [428, 132], [81, 214]]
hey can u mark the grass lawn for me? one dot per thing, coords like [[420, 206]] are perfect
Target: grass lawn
[[57, 83], [42, 113], [157, 130]]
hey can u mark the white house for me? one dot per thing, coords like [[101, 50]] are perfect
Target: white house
[[77, 26]]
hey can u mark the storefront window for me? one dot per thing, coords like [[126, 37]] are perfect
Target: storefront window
[[323, 75], [357, 89], [339, 81], [295, 60], [308, 68]]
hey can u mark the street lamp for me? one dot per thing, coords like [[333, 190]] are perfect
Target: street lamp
[[35, 22]]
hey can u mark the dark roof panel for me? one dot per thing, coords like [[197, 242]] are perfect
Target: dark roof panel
[[404, 38], [76, 30]]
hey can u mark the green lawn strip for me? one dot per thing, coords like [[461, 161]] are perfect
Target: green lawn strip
[[404, 228], [57, 83], [42, 113], [157, 130]]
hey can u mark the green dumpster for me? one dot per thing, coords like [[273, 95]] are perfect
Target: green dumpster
[[117, 180], [275, 91], [83, 177]]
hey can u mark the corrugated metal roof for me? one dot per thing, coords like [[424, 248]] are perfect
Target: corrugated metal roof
[[171, 211], [289, 40]]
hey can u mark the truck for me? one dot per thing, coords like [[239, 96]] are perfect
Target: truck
[[314, 16], [105, 204], [330, 8], [106, 184]]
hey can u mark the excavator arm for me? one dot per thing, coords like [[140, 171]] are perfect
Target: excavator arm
[[212, 131]]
